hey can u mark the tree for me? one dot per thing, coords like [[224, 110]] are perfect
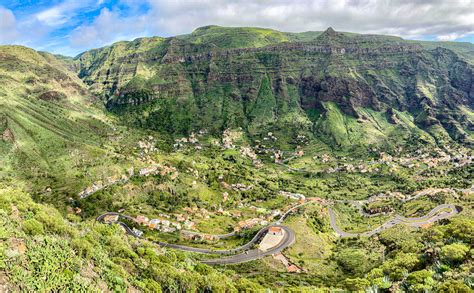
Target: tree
[[357, 284], [462, 229], [353, 260], [401, 264]]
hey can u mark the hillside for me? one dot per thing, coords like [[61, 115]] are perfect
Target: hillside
[[52, 130], [43, 252], [162, 164], [340, 88]]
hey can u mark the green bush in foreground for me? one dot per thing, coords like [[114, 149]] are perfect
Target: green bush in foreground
[[33, 227], [46, 253]]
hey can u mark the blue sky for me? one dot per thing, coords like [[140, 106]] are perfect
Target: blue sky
[[72, 26]]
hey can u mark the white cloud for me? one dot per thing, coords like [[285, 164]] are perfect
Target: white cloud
[[52, 17], [108, 27], [62, 13], [450, 37], [8, 26], [438, 19]]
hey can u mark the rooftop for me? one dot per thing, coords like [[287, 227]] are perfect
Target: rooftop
[[275, 229]]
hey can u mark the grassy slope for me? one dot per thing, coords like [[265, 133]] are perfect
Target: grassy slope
[[52, 141], [229, 37]]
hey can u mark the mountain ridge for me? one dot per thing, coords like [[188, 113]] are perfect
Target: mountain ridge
[[215, 70]]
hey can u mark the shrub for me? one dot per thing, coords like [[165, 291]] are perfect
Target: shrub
[[452, 286], [83, 247], [420, 280], [454, 253], [33, 227], [357, 284]]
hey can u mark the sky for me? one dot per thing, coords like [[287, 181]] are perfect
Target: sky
[[70, 27]]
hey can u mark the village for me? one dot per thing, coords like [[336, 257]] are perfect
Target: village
[[171, 223], [428, 159], [241, 216]]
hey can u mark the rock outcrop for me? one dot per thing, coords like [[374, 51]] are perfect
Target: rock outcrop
[[301, 87]]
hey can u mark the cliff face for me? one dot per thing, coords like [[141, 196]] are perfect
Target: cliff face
[[344, 88]]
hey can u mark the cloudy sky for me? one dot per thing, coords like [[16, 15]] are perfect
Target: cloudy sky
[[72, 26]]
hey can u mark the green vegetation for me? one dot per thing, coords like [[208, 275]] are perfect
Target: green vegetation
[[236, 121], [86, 256], [349, 93], [227, 37]]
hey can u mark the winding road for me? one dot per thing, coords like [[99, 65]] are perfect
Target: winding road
[[431, 217], [235, 255], [249, 255]]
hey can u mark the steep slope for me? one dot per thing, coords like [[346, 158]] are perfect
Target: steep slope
[[41, 251], [346, 89], [51, 131]]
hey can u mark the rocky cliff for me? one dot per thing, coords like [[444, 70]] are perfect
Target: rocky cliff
[[343, 88]]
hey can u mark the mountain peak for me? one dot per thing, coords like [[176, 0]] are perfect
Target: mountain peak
[[330, 31], [330, 35], [205, 28]]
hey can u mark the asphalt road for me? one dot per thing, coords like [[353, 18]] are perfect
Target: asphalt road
[[289, 237], [249, 255], [434, 215], [246, 247]]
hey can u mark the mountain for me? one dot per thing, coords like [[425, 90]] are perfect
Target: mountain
[[84, 138], [55, 140], [342, 88], [51, 128]]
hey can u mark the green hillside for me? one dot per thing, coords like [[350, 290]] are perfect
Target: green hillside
[[41, 251], [265, 80], [227, 37], [152, 165], [52, 129]]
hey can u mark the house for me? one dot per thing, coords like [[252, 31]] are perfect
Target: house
[[142, 220], [276, 213], [147, 171], [137, 232], [154, 223], [293, 269], [180, 218], [167, 229], [247, 224], [291, 195], [111, 218], [276, 231], [176, 225]]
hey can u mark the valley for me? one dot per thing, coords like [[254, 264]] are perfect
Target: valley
[[238, 159]]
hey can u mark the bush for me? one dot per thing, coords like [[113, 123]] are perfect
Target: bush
[[357, 284], [454, 253], [33, 227], [353, 260], [420, 281], [83, 247], [452, 286]]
